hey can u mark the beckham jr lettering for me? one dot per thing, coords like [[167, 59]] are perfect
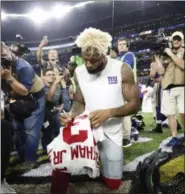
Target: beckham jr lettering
[[78, 152], [74, 148]]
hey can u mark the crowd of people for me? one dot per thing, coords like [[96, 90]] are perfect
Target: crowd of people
[[36, 105]]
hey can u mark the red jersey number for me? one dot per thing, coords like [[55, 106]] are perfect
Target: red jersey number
[[69, 138]]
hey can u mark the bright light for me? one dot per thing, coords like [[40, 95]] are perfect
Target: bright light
[[59, 11], [38, 16], [3, 15], [82, 4]]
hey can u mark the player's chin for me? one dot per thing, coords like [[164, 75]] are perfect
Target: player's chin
[[92, 71]]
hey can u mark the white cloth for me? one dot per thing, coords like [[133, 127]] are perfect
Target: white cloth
[[75, 150], [2, 101], [147, 100], [103, 90]]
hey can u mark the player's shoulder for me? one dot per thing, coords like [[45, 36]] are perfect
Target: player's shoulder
[[80, 68], [114, 61]]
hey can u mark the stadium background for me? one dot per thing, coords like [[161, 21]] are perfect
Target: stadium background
[[131, 19]]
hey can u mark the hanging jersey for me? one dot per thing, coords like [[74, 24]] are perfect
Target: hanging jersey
[[102, 91], [75, 151]]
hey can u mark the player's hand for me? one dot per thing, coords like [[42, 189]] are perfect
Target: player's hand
[[65, 119], [168, 51], [97, 118]]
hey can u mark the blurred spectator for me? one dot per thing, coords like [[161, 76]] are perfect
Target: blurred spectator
[[54, 106], [53, 61], [53, 88], [139, 86], [126, 57]]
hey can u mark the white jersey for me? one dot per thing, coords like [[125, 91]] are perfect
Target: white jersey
[[147, 105], [75, 151], [102, 91]]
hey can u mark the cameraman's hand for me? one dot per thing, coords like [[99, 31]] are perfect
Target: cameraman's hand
[[159, 64], [43, 43], [168, 51], [157, 59], [58, 79]]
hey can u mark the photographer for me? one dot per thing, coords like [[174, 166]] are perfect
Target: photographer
[[156, 74], [173, 85], [27, 103]]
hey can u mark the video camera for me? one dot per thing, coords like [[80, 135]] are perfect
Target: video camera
[[76, 50], [5, 64], [156, 43], [19, 48]]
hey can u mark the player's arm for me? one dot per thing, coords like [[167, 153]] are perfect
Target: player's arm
[[78, 106], [130, 94]]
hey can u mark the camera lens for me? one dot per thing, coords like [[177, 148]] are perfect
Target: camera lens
[[5, 63]]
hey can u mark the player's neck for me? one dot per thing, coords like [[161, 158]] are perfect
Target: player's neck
[[104, 64]]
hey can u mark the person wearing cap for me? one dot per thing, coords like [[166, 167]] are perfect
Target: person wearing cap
[[173, 85], [103, 85]]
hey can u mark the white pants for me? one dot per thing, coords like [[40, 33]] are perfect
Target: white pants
[[111, 156]]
